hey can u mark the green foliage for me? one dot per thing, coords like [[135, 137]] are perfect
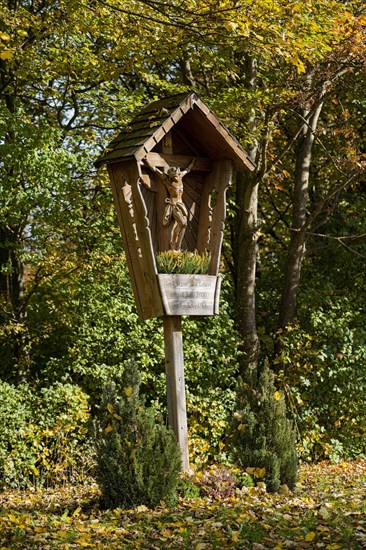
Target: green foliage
[[325, 379], [85, 327], [323, 359], [187, 488], [61, 431], [43, 435], [184, 261], [209, 414], [138, 459], [18, 456], [262, 436]]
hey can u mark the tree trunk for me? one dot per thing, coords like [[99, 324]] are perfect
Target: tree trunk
[[296, 249], [12, 290], [12, 282], [245, 247], [245, 257]]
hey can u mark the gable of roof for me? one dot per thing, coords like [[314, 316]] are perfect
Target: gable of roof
[[152, 123]]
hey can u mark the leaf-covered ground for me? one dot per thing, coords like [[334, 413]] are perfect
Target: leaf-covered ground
[[327, 510]]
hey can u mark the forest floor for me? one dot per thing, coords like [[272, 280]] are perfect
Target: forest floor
[[326, 510]]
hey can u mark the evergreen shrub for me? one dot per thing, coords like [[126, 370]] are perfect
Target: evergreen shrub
[[138, 458], [263, 438]]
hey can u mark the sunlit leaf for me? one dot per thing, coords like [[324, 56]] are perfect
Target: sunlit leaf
[[7, 55], [128, 391], [259, 472]]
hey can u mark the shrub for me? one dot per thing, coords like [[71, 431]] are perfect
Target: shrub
[[325, 375], [62, 431], [262, 436], [138, 459], [43, 435], [209, 413], [217, 481], [187, 488], [18, 454]]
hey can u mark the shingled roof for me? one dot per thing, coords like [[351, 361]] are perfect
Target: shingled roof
[[192, 121]]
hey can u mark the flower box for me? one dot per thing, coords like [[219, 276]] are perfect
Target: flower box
[[183, 294]]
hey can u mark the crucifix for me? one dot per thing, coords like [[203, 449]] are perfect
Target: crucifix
[[175, 209]]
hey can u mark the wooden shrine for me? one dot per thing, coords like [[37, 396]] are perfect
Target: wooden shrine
[[168, 134], [169, 171]]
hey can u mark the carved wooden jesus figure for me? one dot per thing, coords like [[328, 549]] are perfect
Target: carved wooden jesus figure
[[175, 208]]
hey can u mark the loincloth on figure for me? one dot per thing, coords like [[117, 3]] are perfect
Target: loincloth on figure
[[176, 211]]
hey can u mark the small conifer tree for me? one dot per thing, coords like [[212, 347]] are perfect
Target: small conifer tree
[[262, 436], [138, 459]]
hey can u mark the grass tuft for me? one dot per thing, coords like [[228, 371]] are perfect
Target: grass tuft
[[185, 262]]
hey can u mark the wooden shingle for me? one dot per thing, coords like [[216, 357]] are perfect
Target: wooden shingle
[[192, 123]]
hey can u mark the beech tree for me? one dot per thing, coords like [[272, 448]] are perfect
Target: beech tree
[[58, 65]]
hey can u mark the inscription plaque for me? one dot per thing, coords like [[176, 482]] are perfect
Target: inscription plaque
[[189, 294]]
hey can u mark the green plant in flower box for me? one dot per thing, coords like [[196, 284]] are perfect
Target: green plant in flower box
[[184, 261]]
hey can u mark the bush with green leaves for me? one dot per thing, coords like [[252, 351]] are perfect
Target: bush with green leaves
[[325, 379], [138, 458], [262, 436], [18, 455], [208, 417], [43, 435]]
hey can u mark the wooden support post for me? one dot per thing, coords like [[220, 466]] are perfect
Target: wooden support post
[[176, 396]]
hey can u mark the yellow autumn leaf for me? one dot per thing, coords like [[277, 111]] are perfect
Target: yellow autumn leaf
[[250, 471], [110, 408], [230, 26], [141, 509], [4, 36], [299, 65], [259, 472], [109, 429], [310, 536], [235, 536], [324, 513], [77, 511], [128, 391], [6, 55], [116, 416], [84, 543], [277, 395]]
